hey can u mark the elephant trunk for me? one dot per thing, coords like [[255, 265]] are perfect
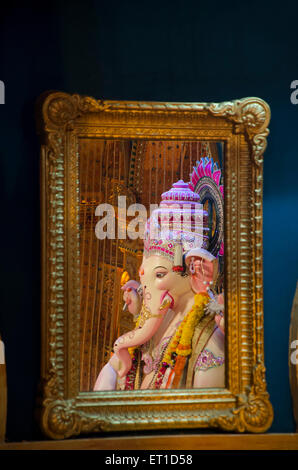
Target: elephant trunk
[[148, 326]]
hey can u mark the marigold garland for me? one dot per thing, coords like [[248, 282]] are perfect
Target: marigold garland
[[181, 342]]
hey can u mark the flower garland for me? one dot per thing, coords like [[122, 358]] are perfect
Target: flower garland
[[180, 347], [181, 342]]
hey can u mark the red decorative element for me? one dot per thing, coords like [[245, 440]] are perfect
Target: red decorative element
[[131, 375], [221, 250], [217, 176], [206, 167], [178, 268]]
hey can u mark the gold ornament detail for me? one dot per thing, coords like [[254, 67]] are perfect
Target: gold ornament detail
[[250, 114], [145, 315], [254, 412], [64, 420]]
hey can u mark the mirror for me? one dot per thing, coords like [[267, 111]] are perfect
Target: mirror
[[115, 176], [152, 265]]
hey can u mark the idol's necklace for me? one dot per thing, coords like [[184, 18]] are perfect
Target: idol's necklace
[[180, 346]]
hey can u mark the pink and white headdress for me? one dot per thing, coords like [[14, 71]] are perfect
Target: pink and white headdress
[[178, 227]]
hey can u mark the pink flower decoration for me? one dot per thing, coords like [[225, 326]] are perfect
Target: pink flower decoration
[[221, 250]]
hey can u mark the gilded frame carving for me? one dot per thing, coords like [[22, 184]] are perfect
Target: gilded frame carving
[[244, 404]]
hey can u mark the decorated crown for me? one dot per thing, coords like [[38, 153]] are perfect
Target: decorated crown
[[177, 226]]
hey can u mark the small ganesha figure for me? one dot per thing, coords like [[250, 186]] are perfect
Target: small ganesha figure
[[178, 339]]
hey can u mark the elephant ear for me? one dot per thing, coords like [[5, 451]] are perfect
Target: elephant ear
[[202, 270]]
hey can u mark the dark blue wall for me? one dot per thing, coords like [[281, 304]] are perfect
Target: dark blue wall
[[167, 51]]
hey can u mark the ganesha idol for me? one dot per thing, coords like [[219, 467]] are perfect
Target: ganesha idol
[[178, 339]]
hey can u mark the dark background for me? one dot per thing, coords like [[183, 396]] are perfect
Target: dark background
[[133, 50]]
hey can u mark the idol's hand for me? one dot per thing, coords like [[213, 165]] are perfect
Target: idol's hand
[[131, 297], [115, 362]]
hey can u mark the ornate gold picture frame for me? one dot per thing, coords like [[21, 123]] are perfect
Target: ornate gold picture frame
[[67, 409]]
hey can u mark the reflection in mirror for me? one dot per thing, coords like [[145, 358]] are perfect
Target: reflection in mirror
[[151, 251]]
